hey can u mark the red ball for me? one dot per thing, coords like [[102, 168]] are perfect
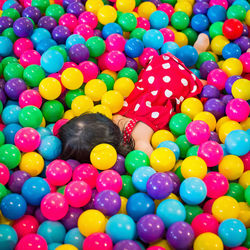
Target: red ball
[[32, 242], [232, 29]]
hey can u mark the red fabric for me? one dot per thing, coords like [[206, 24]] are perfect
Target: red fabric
[[128, 130], [162, 87]]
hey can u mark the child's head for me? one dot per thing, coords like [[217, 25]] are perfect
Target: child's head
[[81, 134]]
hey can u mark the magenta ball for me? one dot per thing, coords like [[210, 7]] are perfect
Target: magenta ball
[[88, 18], [30, 57], [168, 35], [32, 241], [4, 174], [68, 20], [217, 78], [115, 60], [146, 55], [21, 45], [89, 70], [98, 241], [58, 125], [115, 42], [84, 30], [245, 60], [30, 97]]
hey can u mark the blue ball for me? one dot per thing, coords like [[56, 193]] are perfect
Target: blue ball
[[196, 72], [138, 205], [141, 176], [50, 127], [170, 47], [232, 232], [39, 35], [34, 189], [5, 46], [158, 20], [171, 211], [248, 132], [8, 237], [52, 61], [242, 3], [75, 238], [216, 13], [224, 150], [74, 39], [53, 246], [200, 23], [237, 142], [231, 50], [134, 47], [43, 131], [172, 146], [193, 191], [44, 45], [10, 131], [153, 39], [10, 114], [188, 55], [8, 4], [13, 206], [52, 231], [50, 147], [121, 227], [111, 28]]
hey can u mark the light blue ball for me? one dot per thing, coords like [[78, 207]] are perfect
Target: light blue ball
[[171, 211], [172, 146], [121, 227], [231, 50], [216, 13], [170, 47], [224, 150], [43, 132], [158, 20], [232, 232], [188, 55], [52, 61], [53, 246], [39, 35], [242, 3], [50, 127], [153, 39], [74, 39], [10, 114], [10, 131], [75, 238], [196, 72], [199, 23], [8, 237], [134, 47], [45, 44], [111, 28], [5, 46]]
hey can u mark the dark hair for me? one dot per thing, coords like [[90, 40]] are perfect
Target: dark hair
[[81, 134]]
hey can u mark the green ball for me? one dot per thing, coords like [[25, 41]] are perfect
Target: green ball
[[96, 46], [129, 73], [137, 33], [108, 79], [119, 13], [3, 191], [55, 11], [92, 59], [193, 151], [30, 116], [236, 191], [52, 111], [137, 2], [10, 34], [42, 5], [127, 21], [1, 107], [191, 35], [61, 190], [183, 144], [12, 13], [172, 2], [61, 50], [13, 70], [246, 243], [10, 156], [99, 26], [192, 212], [71, 95], [180, 20], [127, 186], [247, 195], [136, 159], [2, 138], [216, 29], [33, 75], [7, 60], [237, 12], [203, 57], [178, 124], [179, 174]]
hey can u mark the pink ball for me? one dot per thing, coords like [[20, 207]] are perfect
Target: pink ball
[[168, 35], [246, 161], [32, 242], [88, 18], [167, 8], [217, 78], [78, 193], [30, 97], [54, 206], [98, 241], [239, 248], [197, 132], [68, 20], [58, 125], [146, 55], [30, 57], [27, 139], [207, 208], [86, 172], [21, 45], [115, 60], [217, 184], [237, 110], [89, 70], [58, 172], [84, 30], [4, 174], [102, 61], [115, 42], [67, 65], [245, 60], [204, 223], [143, 23], [26, 3], [211, 152], [109, 180], [223, 3], [155, 248], [52, 187]]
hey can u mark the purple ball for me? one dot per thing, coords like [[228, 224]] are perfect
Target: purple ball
[[176, 182], [200, 1], [229, 83], [32, 12], [243, 42], [23, 27], [30, 210], [155, 2], [245, 30], [120, 165], [127, 245], [14, 88], [108, 202], [214, 137], [17, 7], [3, 97], [75, 8], [78, 53], [131, 63], [47, 22], [207, 67], [2, 83], [60, 34], [97, 33], [226, 99], [91, 203], [39, 216], [66, 3], [71, 218], [200, 8], [73, 163], [180, 235], [150, 228], [210, 91], [159, 186], [17, 180], [5, 22], [216, 107]]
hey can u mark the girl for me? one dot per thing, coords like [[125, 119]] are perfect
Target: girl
[[162, 87]]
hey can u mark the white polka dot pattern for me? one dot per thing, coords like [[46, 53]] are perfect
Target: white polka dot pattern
[[155, 115], [166, 79], [184, 82], [151, 79], [168, 93]]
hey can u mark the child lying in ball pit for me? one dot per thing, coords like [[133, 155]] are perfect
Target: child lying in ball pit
[[162, 86]]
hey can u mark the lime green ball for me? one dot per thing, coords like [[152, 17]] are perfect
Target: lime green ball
[[192, 212], [193, 151], [13, 70], [108, 80], [61, 50], [128, 188], [61, 190], [30, 116], [10, 156], [237, 12], [42, 5], [246, 243], [183, 145], [247, 195], [71, 95], [172, 2], [216, 29], [55, 11], [180, 20], [203, 57], [7, 60], [179, 174], [236, 191], [10, 34], [33, 75], [2, 138], [52, 111], [12, 13], [137, 33], [191, 35], [96, 46], [129, 73], [3, 191], [127, 21], [178, 124]]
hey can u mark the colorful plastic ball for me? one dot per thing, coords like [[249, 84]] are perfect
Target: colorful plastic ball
[[232, 66], [30, 97], [134, 47], [200, 22], [81, 104], [244, 179], [129, 244], [30, 57], [115, 42], [180, 20], [22, 45], [106, 14], [240, 89], [153, 39], [115, 60], [236, 191], [32, 241], [216, 107], [113, 99], [10, 156], [188, 55], [247, 195], [231, 50], [111, 28], [168, 35], [125, 6], [14, 87], [4, 174], [146, 9], [23, 27], [8, 237], [128, 188], [13, 70], [52, 110], [96, 46], [98, 241], [217, 78], [207, 117], [158, 20], [172, 146], [40, 34], [52, 61], [72, 78], [207, 241], [191, 106], [9, 132], [74, 39], [236, 12], [74, 237], [17, 180], [10, 114], [95, 89], [124, 85], [244, 58], [218, 43], [237, 110], [160, 136]]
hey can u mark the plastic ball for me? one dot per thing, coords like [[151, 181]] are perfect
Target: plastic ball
[[180, 20], [115, 42], [231, 50], [153, 39], [98, 241], [74, 237], [244, 58], [217, 78], [191, 106], [95, 89], [146, 9], [52, 61], [115, 60], [160, 136], [240, 89], [208, 241], [10, 156], [4, 174], [188, 55], [158, 20], [22, 45], [244, 179], [199, 23], [125, 6], [106, 14], [81, 104], [23, 27], [124, 85], [5, 46], [227, 127], [30, 57], [237, 110], [10, 114], [78, 53], [236, 12], [72, 78], [208, 118], [232, 66], [134, 47], [30, 98], [218, 43], [112, 99]]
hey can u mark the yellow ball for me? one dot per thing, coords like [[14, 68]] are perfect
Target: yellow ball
[[193, 166], [184, 6], [91, 221], [114, 100], [225, 207], [245, 124], [244, 215], [145, 9], [110, 72], [162, 159], [4, 220], [160, 136], [190, 1], [191, 107], [244, 180], [106, 14], [103, 156], [215, 56], [50, 88], [208, 118], [68, 114], [125, 5], [124, 85], [66, 247], [181, 39], [95, 89], [241, 89], [220, 63], [123, 205], [32, 163], [232, 66], [247, 18], [218, 43], [172, 28], [94, 5], [208, 241], [43, 123], [81, 104], [232, 167], [72, 78], [173, 197], [135, 14], [102, 110], [226, 128], [177, 165], [221, 121]]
